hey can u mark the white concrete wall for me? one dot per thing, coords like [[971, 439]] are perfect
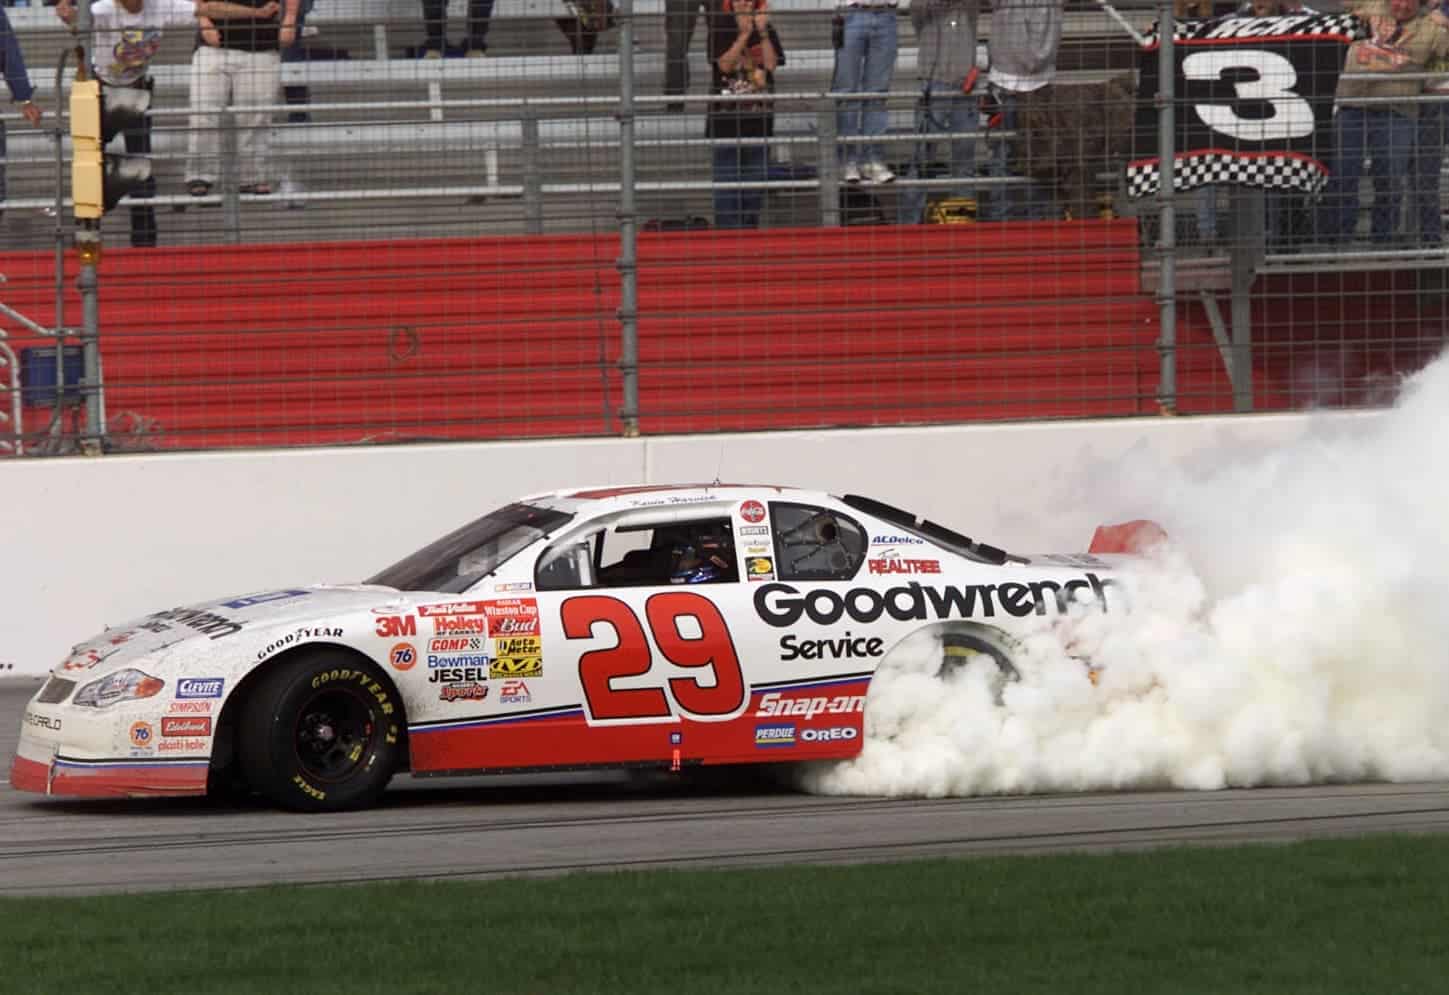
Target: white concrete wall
[[89, 542]]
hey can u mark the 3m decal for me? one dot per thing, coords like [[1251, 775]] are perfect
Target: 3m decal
[[712, 649], [392, 626]]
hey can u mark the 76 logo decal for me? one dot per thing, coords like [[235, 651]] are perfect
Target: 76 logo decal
[[690, 633]]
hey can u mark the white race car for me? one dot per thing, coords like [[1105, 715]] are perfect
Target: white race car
[[615, 626]]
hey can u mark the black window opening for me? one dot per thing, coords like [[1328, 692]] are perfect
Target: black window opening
[[643, 555], [813, 543]]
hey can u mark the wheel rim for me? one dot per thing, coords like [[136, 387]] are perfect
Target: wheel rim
[[333, 735]]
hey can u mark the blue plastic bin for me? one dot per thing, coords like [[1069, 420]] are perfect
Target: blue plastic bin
[[37, 376]]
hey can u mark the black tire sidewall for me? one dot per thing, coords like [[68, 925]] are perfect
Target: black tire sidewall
[[268, 734]]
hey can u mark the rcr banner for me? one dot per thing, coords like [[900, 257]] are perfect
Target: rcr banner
[[1253, 101]]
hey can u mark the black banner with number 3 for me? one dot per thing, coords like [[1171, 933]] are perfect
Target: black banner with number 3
[[1253, 100]]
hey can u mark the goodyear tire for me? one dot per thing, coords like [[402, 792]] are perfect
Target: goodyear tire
[[320, 733], [961, 647]]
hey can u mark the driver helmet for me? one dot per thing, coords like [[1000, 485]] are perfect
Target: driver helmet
[[706, 558]]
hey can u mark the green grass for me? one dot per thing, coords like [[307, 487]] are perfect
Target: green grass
[[1359, 916]]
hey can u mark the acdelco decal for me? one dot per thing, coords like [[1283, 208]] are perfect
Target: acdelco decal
[[782, 605]]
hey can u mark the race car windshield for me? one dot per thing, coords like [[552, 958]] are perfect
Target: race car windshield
[[460, 559]]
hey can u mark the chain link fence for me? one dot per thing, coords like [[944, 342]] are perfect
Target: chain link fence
[[534, 224]]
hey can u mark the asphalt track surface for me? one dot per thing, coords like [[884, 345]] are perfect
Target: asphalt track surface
[[495, 827]]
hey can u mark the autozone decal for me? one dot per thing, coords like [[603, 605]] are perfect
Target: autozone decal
[[840, 704], [782, 605]]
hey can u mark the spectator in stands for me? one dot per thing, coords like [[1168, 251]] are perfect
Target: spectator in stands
[[865, 62], [127, 37], [17, 78], [946, 63], [679, 18], [239, 62], [1402, 40], [744, 52], [1429, 143], [1025, 38], [435, 28], [587, 20]]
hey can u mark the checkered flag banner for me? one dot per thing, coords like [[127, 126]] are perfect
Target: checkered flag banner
[[1254, 101]]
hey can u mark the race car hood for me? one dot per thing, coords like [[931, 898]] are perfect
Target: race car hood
[[218, 621]]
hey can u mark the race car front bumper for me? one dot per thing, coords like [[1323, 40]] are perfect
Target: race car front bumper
[[85, 753]]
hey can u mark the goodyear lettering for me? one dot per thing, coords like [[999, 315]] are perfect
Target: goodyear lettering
[[783, 605], [296, 637], [858, 647], [841, 704], [307, 789]]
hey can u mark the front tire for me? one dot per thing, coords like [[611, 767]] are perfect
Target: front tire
[[320, 733]]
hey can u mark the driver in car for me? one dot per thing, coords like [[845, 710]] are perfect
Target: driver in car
[[708, 557]]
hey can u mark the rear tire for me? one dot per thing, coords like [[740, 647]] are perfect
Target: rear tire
[[961, 648], [320, 733]]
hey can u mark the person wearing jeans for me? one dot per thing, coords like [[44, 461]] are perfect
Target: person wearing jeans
[[1025, 38], [1403, 40], [946, 60], [18, 80], [744, 51], [1390, 136], [865, 62]]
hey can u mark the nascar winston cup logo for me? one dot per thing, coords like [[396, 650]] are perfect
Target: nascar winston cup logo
[[1254, 102]]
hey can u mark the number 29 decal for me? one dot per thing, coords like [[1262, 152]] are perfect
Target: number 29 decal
[[712, 651]]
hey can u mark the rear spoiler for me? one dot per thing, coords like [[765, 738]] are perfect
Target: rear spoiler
[[1137, 536]]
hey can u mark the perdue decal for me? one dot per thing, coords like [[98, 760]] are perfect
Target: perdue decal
[[782, 605]]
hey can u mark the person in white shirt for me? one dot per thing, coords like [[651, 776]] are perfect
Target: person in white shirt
[[127, 35]]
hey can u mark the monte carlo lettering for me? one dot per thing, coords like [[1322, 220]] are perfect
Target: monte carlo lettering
[[783, 605], [209, 623]]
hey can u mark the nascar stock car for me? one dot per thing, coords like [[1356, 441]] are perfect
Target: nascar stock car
[[615, 626]]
